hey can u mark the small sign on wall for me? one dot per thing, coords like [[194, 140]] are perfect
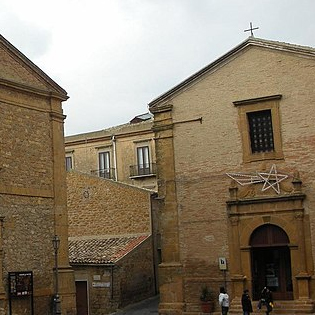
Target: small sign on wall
[[100, 284], [222, 263]]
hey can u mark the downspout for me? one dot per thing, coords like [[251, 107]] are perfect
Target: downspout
[[115, 157], [112, 281], [154, 242]]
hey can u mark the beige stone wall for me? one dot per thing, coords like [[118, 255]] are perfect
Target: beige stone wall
[[136, 274], [98, 206], [32, 188], [25, 136], [203, 153]]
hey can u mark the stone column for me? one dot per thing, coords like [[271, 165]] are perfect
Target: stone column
[[2, 289], [237, 276], [66, 274], [302, 277], [170, 272]]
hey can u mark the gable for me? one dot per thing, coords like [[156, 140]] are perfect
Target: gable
[[18, 71], [233, 54]]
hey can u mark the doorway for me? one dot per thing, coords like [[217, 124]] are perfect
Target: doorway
[[271, 262], [82, 298]]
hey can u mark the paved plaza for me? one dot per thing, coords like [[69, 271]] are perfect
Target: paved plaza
[[146, 307]]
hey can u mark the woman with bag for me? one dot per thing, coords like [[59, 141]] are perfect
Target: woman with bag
[[224, 301]]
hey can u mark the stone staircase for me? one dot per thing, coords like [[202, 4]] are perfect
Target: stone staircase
[[296, 307], [300, 307]]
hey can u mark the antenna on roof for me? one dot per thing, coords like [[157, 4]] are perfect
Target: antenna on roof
[[251, 29]]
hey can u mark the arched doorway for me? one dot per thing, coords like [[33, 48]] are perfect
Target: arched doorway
[[271, 262]]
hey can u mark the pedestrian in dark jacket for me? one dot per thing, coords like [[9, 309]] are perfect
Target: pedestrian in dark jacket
[[246, 303], [266, 299]]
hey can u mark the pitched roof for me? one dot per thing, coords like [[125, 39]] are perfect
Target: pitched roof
[[105, 250], [251, 41]]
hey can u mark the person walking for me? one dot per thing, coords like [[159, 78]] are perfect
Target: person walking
[[246, 303], [224, 301], [266, 299]]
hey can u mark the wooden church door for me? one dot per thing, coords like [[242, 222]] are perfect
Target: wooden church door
[[271, 262]]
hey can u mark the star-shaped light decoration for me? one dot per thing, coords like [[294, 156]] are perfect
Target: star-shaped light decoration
[[270, 180], [245, 179]]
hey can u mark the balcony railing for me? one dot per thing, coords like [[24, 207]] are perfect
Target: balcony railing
[[148, 169], [108, 173]]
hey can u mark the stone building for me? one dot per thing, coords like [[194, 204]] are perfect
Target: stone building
[[32, 189], [111, 242], [124, 153], [235, 151]]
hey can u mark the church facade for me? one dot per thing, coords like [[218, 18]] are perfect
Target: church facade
[[235, 150]]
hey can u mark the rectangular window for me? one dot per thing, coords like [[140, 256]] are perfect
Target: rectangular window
[[260, 131], [143, 160], [69, 165], [260, 128], [104, 164]]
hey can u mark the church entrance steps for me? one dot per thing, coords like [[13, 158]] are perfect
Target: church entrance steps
[[293, 307], [297, 307]]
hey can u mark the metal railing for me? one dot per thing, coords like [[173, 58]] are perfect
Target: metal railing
[[148, 169], [108, 173]]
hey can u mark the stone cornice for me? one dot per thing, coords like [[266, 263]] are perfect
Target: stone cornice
[[266, 199], [32, 90], [258, 99], [21, 191]]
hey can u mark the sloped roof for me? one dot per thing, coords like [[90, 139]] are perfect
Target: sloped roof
[[19, 71], [118, 130], [140, 118], [251, 41], [102, 250]]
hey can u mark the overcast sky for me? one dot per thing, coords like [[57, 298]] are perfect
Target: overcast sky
[[115, 56]]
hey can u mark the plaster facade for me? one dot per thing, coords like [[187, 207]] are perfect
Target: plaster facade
[[124, 153], [201, 134]]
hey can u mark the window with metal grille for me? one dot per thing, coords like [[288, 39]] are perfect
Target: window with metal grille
[[260, 130]]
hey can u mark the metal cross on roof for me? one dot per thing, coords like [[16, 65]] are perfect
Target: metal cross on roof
[[251, 29]]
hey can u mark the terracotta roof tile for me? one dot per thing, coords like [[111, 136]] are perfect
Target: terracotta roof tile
[[102, 250]]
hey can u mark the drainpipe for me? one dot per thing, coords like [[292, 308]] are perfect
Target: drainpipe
[[153, 196], [112, 281], [115, 157]]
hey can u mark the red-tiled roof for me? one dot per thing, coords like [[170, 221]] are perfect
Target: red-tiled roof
[[102, 250]]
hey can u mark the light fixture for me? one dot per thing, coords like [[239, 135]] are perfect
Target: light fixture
[[57, 304]]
